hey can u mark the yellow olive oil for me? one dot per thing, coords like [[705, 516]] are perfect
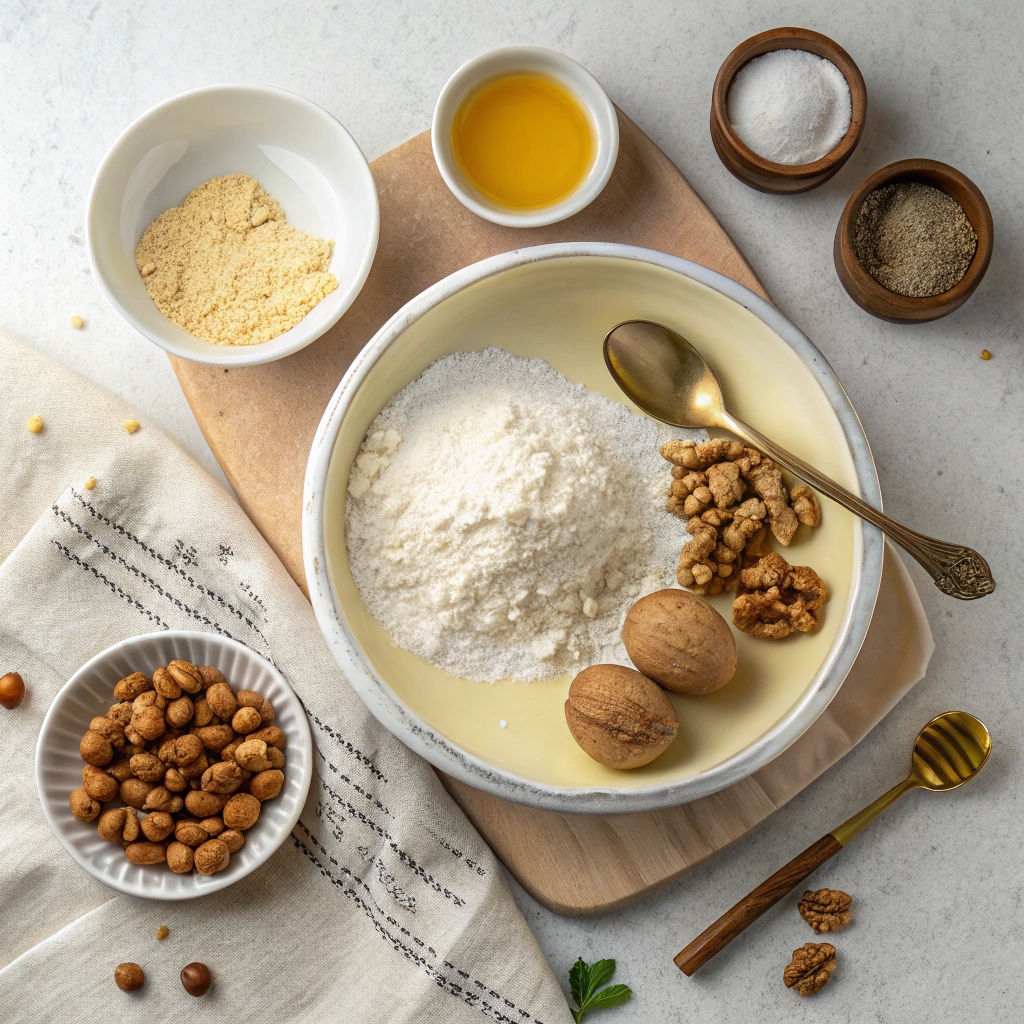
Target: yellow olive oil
[[523, 141]]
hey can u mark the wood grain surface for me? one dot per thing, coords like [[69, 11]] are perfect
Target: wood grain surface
[[260, 423], [718, 935]]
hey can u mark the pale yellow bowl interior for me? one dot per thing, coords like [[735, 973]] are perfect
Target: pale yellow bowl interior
[[560, 310]]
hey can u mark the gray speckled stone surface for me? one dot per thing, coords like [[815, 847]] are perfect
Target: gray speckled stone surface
[[938, 881]]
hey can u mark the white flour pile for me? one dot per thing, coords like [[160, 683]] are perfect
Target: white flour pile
[[501, 520]]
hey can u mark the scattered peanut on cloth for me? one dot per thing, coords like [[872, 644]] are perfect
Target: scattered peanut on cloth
[[197, 758]]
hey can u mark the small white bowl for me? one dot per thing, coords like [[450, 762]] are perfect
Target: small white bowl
[[89, 692], [296, 150], [538, 60]]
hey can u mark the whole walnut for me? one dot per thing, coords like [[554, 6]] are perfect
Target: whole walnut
[[213, 825], [175, 781], [680, 641], [811, 967], [251, 699], [276, 757], [618, 716], [203, 713], [122, 769], [181, 750]]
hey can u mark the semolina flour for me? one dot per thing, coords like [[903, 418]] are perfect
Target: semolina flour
[[228, 268]]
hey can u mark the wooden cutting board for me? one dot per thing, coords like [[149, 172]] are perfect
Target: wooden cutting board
[[260, 423]]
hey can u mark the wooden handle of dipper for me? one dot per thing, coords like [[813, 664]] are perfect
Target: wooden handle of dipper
[[754, 904]]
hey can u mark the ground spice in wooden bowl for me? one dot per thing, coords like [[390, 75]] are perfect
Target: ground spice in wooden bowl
[[914, 239]]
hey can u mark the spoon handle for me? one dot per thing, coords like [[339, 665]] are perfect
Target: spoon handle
[[957, 570], [754, 904]]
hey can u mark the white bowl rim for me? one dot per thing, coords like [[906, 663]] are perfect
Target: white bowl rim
[[589, 189], [213, 883], [241, 355], [472, 770]]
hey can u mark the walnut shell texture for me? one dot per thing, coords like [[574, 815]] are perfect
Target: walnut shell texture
[[619, 717], [677, 639]]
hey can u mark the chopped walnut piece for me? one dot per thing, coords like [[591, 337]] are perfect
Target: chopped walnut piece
[[725, 484], [766, 479], [776, 598], [811, 967], [826, 910], [805, 505]]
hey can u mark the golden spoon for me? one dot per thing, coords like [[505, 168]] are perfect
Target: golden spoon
[[950, 750], [669, 379]]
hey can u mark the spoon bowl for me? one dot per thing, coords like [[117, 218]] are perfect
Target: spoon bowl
[[949, 751], [662, 373]]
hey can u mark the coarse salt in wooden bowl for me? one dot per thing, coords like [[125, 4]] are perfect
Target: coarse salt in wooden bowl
[[878, 300], [740, 159]]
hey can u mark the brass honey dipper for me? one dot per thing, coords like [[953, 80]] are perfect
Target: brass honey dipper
[[949, 751]]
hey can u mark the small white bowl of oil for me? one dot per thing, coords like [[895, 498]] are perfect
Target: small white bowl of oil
[[524, 136]]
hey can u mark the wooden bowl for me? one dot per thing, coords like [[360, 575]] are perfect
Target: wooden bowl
[[877, 299], [740, 159]]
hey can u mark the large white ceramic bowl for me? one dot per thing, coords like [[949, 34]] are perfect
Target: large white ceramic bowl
[[539, 60], [296, 150], [557, 302], [89, 692]]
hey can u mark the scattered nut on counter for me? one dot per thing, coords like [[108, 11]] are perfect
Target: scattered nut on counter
[[811, 967], [34, 424], [131, 426], [77, 322], [826, 910], [680, 641], [196, 979], [162, 932], [194, 757], [619, 717], [129, 977], [12, 690]]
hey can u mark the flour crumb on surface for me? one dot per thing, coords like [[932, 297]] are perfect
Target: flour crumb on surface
[[501, 520], [228, 268]]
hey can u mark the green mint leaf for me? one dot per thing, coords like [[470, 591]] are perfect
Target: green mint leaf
[[613, 995], [579, 982], [600, 974]]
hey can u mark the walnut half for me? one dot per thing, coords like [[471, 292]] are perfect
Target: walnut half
[[826, 910], [811, 967], [776, 598]]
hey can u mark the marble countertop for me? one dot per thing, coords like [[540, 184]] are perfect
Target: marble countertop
[[938, 881]]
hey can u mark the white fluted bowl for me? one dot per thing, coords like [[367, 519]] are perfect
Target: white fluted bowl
[[89, 692]]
